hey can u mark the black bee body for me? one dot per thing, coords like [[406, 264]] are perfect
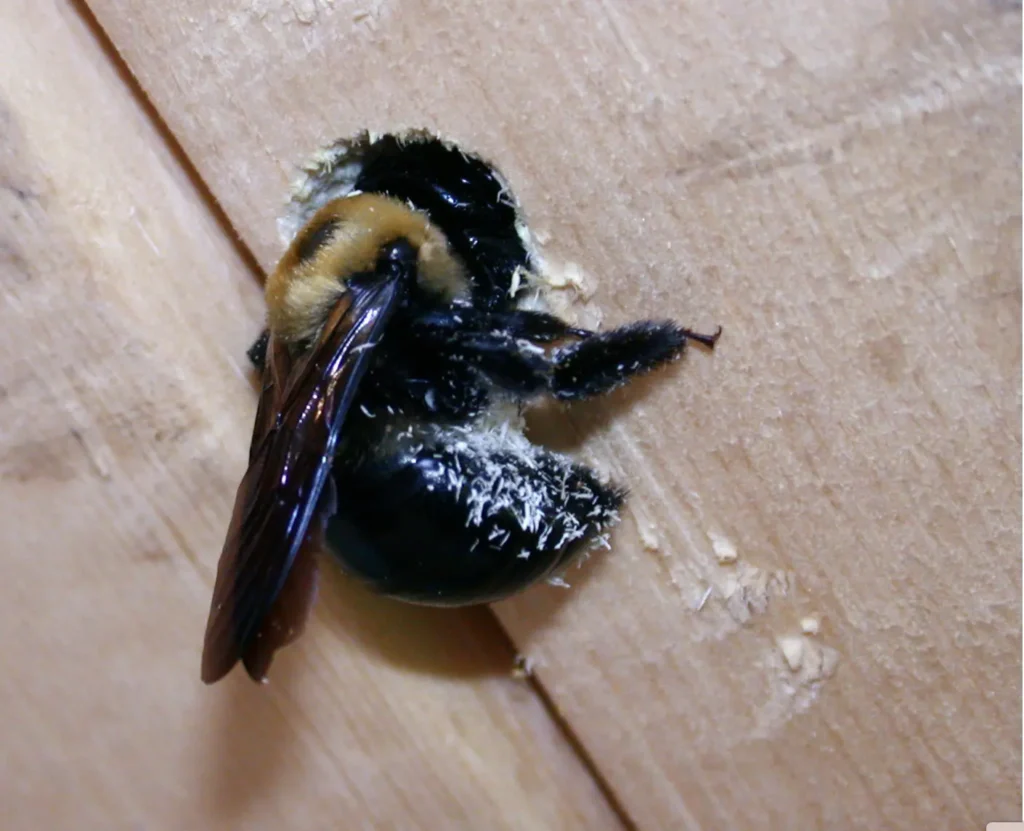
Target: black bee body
[[465, 197], [449, 516], [426, 488], [439, 498]]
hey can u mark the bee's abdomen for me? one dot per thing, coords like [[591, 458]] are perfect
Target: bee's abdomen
[[453, 516]]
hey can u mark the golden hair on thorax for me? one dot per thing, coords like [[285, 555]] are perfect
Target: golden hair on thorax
[[344, 238]]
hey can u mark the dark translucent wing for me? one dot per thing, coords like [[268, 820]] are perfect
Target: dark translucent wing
[[266, 576], [287, 616]]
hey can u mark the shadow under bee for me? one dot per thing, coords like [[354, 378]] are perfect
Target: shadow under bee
[[460, 642]]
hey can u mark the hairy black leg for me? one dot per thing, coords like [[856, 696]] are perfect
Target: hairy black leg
[[444, 363], [538, 327], [454, 516], [595, 364], [498, 345], [452, 379], [497, 358], [427, 385], [503, 360], [607, 360]]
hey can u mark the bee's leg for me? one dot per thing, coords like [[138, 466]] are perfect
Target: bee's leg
[[428, 386], [537, 327], [596, 364], [452, 517], [257, 353], [517, 367], [466, 340], [606, 360]]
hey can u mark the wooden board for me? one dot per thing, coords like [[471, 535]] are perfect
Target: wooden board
[[836, 184], [125, 403]]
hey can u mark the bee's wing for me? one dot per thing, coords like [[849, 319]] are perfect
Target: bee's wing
[[267, 573]]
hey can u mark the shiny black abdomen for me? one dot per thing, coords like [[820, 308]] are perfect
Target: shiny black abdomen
[[451, 523]]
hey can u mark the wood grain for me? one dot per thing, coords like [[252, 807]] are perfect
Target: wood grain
[[838, 186], [125, 406]]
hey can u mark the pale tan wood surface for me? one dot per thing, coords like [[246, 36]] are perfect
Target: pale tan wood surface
[[125, 405], [838, 185]]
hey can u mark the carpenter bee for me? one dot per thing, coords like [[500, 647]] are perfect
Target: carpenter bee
[[397, 359]]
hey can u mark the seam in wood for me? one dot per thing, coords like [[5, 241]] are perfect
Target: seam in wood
[[574, 742], [181, 158]]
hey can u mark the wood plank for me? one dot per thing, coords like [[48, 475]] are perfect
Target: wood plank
[[838, 185], [125, 405]]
